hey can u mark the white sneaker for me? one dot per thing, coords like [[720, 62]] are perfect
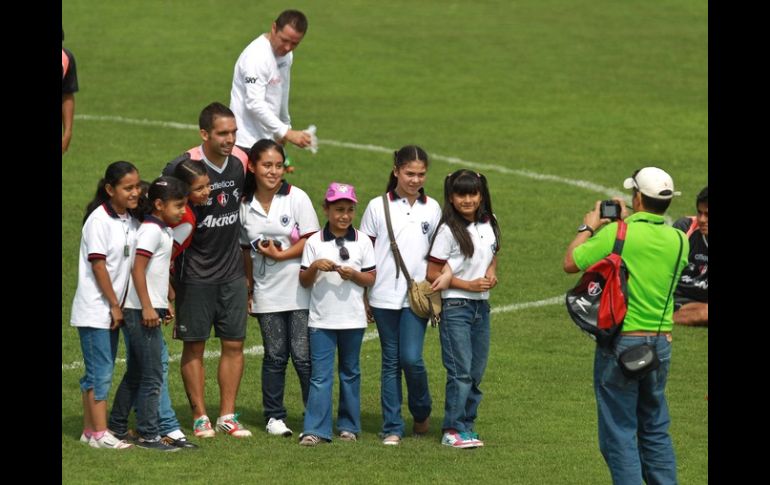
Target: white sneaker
[[277, 427], [84, 438], [109, 441]]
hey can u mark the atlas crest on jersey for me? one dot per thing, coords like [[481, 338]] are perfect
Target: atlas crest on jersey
[[222, 198], [425, 227], [285, 220]]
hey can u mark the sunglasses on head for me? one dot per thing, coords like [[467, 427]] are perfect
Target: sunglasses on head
[[344, 254]]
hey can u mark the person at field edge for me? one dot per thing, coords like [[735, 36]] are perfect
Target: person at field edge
[[337, 264], [633, 414], [209, 281], [468, 240], [414, 217], [261, 78], [144, 310], [107, 245], [276, 220], [691, 299], [69, 86]]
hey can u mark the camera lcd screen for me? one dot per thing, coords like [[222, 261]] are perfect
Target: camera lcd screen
[[609, 210]]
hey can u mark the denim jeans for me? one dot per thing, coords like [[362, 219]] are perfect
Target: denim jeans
[[323, 345], [402, 335], [99, 347], [143, 379], [283, 334], [464, 333], [633, 417], [167, 420]]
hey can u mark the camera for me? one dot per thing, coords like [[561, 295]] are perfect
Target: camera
[[262, 242], [609, 209]]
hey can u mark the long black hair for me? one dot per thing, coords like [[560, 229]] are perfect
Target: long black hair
[[260, 147], [407, 154], [112, 176], [464, 182]]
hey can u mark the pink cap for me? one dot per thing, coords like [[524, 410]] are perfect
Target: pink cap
[[337, 191]]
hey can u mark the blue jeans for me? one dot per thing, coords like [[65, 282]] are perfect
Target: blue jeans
[[167, 420], [464, 333], [99, 347], [143, 379], [402, 335], [633, 417], [283, 334], [323, 344]]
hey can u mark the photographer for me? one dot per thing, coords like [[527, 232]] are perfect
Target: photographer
[[632, 413]]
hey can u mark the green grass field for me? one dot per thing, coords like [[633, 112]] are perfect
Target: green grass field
[[537, 94]]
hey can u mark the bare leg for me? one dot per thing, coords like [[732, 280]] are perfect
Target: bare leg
[[94, 411], [230, 373], [194, 376], [88, 421], [695, 314]]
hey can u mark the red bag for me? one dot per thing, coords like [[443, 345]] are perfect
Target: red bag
[[598, 302]]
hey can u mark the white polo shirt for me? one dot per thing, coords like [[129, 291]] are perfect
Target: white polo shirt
[[335, 303], [112, 237], [156, 241], [278, 289], [446, 249], [259, 96], [413, 227]]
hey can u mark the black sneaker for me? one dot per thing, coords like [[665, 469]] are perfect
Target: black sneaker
[[180, 443], [129, 435], [157, 445]]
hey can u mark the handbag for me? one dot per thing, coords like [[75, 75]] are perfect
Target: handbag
[[424, 302], [638, 361]]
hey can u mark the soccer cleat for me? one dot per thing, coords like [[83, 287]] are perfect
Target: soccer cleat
[[277, 427], [457, 440], [229, 424], [202, 427]]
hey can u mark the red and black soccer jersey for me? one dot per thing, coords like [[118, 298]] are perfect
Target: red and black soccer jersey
[[694, 282], [214, 253], [69, 73]]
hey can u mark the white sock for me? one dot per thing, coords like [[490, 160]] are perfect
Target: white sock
[[222, 419], [176, 434]]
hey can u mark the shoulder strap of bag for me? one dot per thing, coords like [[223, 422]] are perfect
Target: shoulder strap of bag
[[620, 238], [673, 280], [393, 245]]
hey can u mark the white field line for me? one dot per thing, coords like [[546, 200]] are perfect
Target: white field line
[[259, 350]]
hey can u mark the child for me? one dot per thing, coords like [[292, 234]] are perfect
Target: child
[[106, 249], [468, 239], [276, 220], [194, 174], [146, 306], [414, 217], [338, 263]]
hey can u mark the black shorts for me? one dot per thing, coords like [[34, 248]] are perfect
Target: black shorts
[[199, 306]]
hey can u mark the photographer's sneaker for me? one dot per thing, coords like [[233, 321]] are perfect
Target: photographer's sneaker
[[202, 427], [229, 424], [277, 427], [457, 440]]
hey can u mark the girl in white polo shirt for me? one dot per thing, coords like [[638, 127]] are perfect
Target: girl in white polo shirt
[[467, 239], [414, 217], [276, 220], [106, 254], [337, 263], [145, 308]]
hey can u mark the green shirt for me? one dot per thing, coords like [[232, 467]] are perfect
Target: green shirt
[[649, 253]]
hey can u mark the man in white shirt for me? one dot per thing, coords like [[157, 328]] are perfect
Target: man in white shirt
[[260, 92]]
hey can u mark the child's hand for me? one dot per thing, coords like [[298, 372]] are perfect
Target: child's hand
[[480, 284], [324, 265], [345, 272], [442, 282], [150, 317], [271, 250], [492, 277], [116, 314], [169, 314]]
